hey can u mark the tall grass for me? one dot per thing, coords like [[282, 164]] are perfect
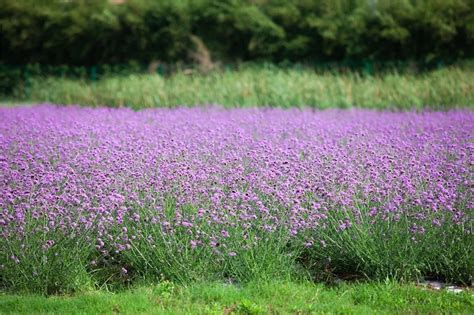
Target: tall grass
[[264, 86]]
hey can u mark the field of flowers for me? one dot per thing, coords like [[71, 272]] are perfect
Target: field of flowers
[[103, 197]]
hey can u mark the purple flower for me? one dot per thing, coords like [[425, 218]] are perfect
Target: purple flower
[[48, 244], [187, 224], [217, 178]]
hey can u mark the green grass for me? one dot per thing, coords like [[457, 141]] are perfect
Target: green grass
[[269, 298], [263, 86]]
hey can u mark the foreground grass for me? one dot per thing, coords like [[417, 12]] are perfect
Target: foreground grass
[[272, 298], [263, 86]]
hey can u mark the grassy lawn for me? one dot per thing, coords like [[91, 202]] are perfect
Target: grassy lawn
[[271, 298]]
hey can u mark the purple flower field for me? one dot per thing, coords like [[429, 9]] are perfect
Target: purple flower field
[[95, 195]]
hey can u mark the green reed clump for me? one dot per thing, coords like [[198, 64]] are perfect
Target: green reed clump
[[264, 86]]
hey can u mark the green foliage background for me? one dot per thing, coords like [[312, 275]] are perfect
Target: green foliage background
[[82, 32]]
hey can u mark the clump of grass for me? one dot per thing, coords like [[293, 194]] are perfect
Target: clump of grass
[[264, 86], [46, 258], [157, 253], [394, 246]]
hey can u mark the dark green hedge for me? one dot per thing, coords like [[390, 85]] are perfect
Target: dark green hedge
[[76, 32]]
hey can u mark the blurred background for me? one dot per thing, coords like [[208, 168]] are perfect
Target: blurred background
[[400, 54]]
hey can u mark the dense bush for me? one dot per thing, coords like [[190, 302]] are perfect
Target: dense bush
[[84, 32]]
